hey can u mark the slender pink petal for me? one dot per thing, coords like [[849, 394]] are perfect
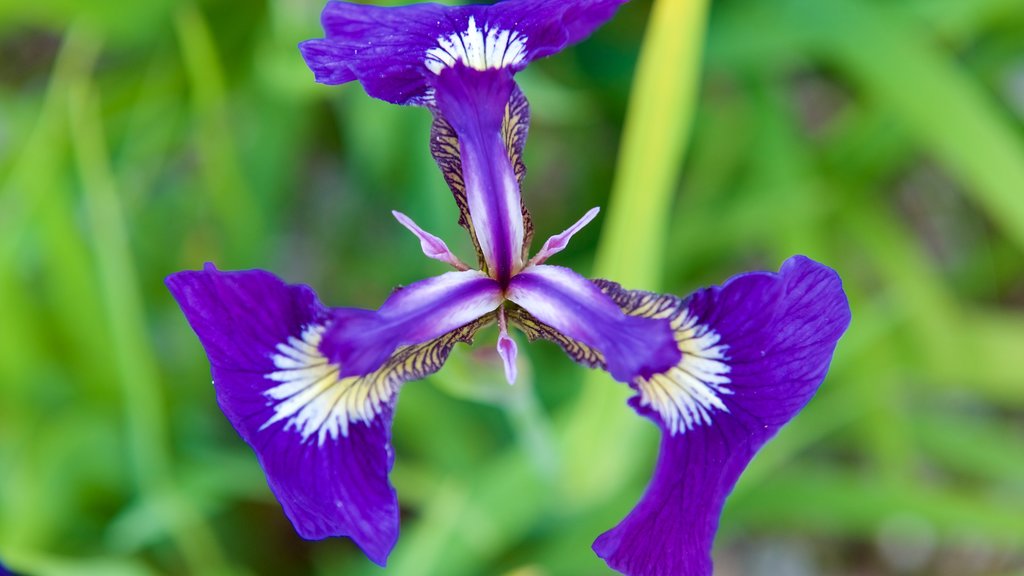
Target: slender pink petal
[[390, 50], [432, 246], [507, 348], [558, 242]]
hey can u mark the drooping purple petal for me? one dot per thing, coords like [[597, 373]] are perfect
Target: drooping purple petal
[[391, 50], [323, 440], [754, 352], [384, 48], [255, 329], [571, 304], [360, 341], [552, 25], [473, 102]]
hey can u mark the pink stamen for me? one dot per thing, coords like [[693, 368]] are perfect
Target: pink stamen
[[432, 246], [507, 348], [558, 242]]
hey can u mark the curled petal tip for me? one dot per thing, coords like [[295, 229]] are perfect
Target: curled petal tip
[[507, 349]]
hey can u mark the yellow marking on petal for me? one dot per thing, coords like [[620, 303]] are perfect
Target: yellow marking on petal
[[312, 400], [686, 395]]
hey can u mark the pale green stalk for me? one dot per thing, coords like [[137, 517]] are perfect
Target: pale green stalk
[[128, 341], [603, 437], [228, 193]]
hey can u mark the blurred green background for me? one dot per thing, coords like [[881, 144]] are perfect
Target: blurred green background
[[882, 137]]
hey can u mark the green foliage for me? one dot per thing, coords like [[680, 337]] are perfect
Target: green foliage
[[882, 138]]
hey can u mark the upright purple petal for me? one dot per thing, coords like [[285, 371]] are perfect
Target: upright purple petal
[[322, 439], [551, 25], [446, 150], [631, 346], [390, 51], [473, 102], [753, 354], [360, 341]]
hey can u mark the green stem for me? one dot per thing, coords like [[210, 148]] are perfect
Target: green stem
[[601, 433], [129, 343]]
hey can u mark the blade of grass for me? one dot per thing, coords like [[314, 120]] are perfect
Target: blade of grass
[[136, 366], [601, 433], [833, 501], [237, 211], [904, 71]]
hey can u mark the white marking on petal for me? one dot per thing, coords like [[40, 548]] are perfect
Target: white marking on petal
[[477, 48], [686, 395], [310, 397]]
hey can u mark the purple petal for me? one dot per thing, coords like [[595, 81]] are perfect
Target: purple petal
[[754, 352], [574, 306], [360, 341], [473, 102], [330, 477], [551, 25], [445, 148], [384, 48], [390, 50]]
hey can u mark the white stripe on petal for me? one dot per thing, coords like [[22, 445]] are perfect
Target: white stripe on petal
[[689, 393], [479, 48], [309, 396]]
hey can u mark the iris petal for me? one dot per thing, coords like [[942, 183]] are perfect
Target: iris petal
[[569, 303], [473, 102], [391, 50], [507, 349], [446, 149], [323, 440], [558, 242], [337, 486], [754, 353], [360, 341]]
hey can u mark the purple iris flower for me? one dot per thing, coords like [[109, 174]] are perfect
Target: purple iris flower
[[313, 389]]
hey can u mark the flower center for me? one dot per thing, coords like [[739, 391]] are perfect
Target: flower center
[[477, 48]]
